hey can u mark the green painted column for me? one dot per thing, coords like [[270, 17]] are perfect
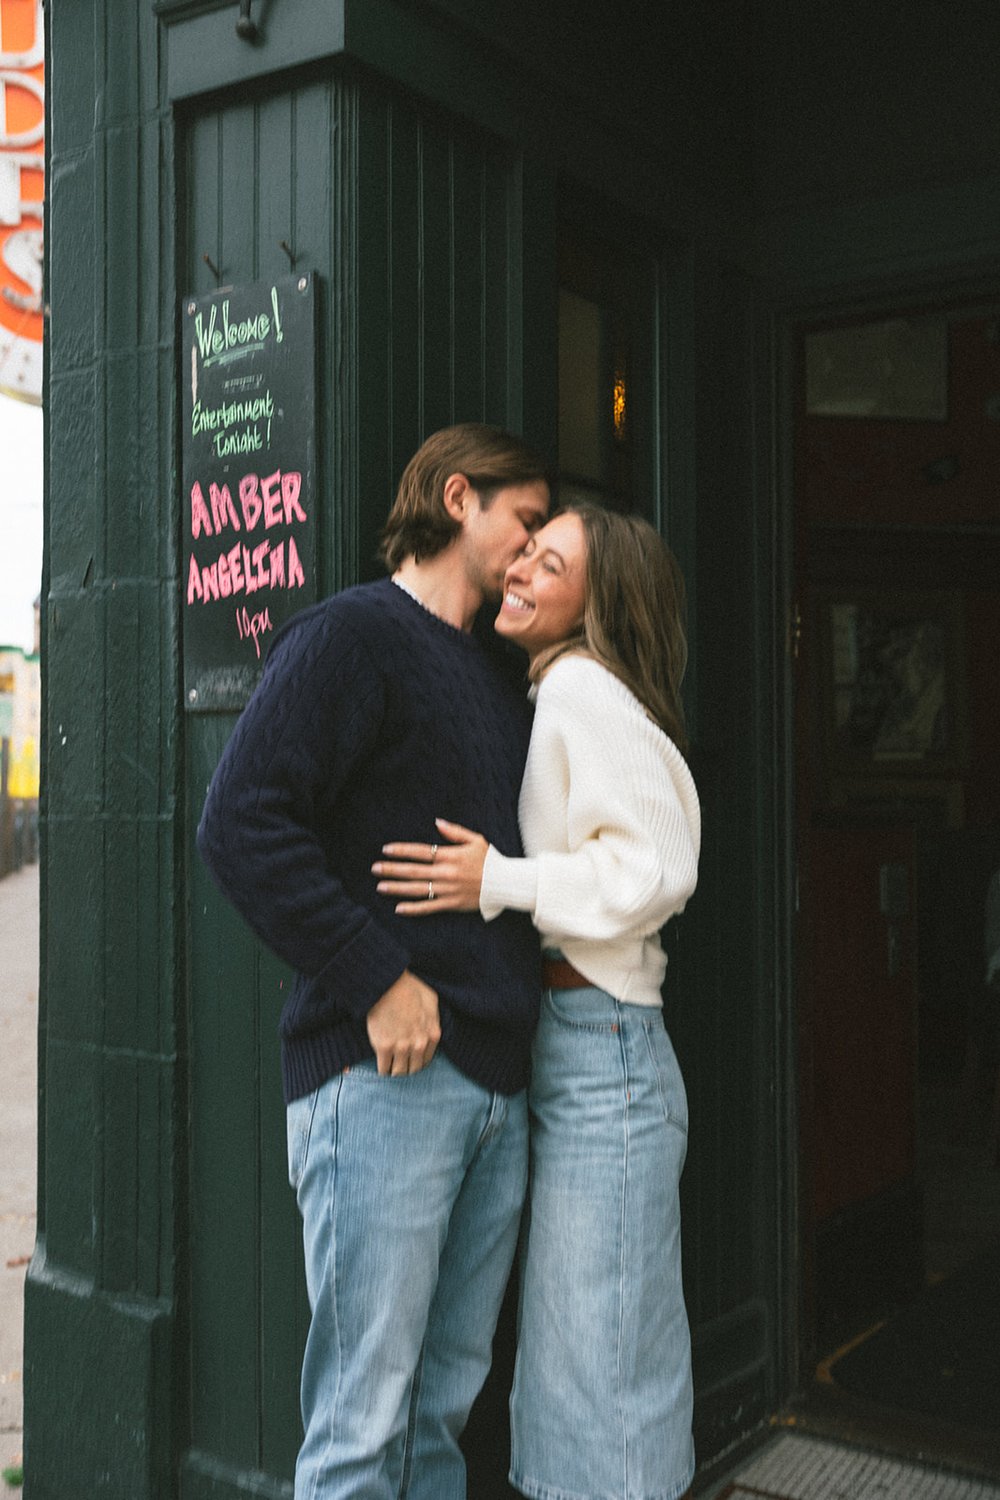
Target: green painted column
[[101, 1294]]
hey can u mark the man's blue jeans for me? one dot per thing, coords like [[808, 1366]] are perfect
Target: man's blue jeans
[[410, 1191]]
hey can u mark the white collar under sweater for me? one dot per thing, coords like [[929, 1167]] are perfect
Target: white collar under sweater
[[611, 827]]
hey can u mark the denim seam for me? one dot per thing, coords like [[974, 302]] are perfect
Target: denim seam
[[333, 1146], [411, 1429], [494, 1125], [304, 1137], [623, 1229], [670, 1118]]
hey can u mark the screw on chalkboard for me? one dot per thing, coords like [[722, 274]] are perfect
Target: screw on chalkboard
[[210, 263], [289, 252], [246, 28], [193, 695]]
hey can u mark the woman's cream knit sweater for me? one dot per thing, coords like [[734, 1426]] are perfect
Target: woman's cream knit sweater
[[611, 828]]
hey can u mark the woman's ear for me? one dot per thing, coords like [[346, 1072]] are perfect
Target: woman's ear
[[457, 494]]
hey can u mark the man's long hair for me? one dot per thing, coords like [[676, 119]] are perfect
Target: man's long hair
[[490, 459]]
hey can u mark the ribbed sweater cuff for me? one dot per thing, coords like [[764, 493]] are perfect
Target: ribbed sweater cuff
[[508, 884]]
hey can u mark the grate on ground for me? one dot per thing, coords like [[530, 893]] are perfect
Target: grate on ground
[[797, 1467]]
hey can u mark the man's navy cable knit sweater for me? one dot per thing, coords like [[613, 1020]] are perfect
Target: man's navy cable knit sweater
[[372, 718]]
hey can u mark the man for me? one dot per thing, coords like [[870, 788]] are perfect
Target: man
[[404, 1044]]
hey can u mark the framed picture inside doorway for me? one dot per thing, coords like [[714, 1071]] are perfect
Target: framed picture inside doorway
[[893, 682], [895, 369]]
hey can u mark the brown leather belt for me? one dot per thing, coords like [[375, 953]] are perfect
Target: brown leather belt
[[559, 974]]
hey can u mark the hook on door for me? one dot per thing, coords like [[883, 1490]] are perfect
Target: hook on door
[[246, 26]]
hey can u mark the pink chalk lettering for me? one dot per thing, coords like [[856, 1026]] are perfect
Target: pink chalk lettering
[[253, 626], [261, 580], [222, 505], [230, 572], [240, 570], [291, 488], [250, 502], [235, 569], [210, 583], [296, 577], [200, 519], [271, 489]]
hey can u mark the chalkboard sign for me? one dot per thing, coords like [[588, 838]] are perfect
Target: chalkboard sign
[[249, 465]]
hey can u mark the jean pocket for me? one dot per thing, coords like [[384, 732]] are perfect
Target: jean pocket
[[299, 1122], [366, 1071], [585, 1009]]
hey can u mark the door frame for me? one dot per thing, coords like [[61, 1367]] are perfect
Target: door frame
[[791, 309]]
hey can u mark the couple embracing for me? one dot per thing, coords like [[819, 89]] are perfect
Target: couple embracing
[[471, 895]]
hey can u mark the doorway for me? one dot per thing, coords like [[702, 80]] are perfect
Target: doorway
[[895, 640]]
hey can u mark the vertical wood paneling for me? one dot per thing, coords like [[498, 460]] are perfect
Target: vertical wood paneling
[[533, 322], [369, 275], [497, 235], [338, 520], [437, 353], [239, 185], [468, 254], [225, 1224], [276, 176], [201, 205], [404, 144], [316, 174], [312, 165]]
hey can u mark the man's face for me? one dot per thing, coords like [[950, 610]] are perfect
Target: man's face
[[492, 538]]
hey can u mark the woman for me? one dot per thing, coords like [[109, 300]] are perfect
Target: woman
[[601, 1404]]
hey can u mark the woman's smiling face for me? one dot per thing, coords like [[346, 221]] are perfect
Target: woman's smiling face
[[545, 587]]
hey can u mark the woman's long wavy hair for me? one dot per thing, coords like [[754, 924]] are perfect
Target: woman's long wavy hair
[[634, 613]]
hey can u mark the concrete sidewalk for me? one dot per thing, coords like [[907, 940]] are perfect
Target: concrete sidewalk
[[18, 1048]]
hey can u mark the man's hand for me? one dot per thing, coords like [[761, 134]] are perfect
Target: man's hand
[[404, 1027]]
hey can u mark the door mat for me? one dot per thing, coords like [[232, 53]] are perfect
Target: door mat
[[798, 1467], [940, 1356], [740, 1492]]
